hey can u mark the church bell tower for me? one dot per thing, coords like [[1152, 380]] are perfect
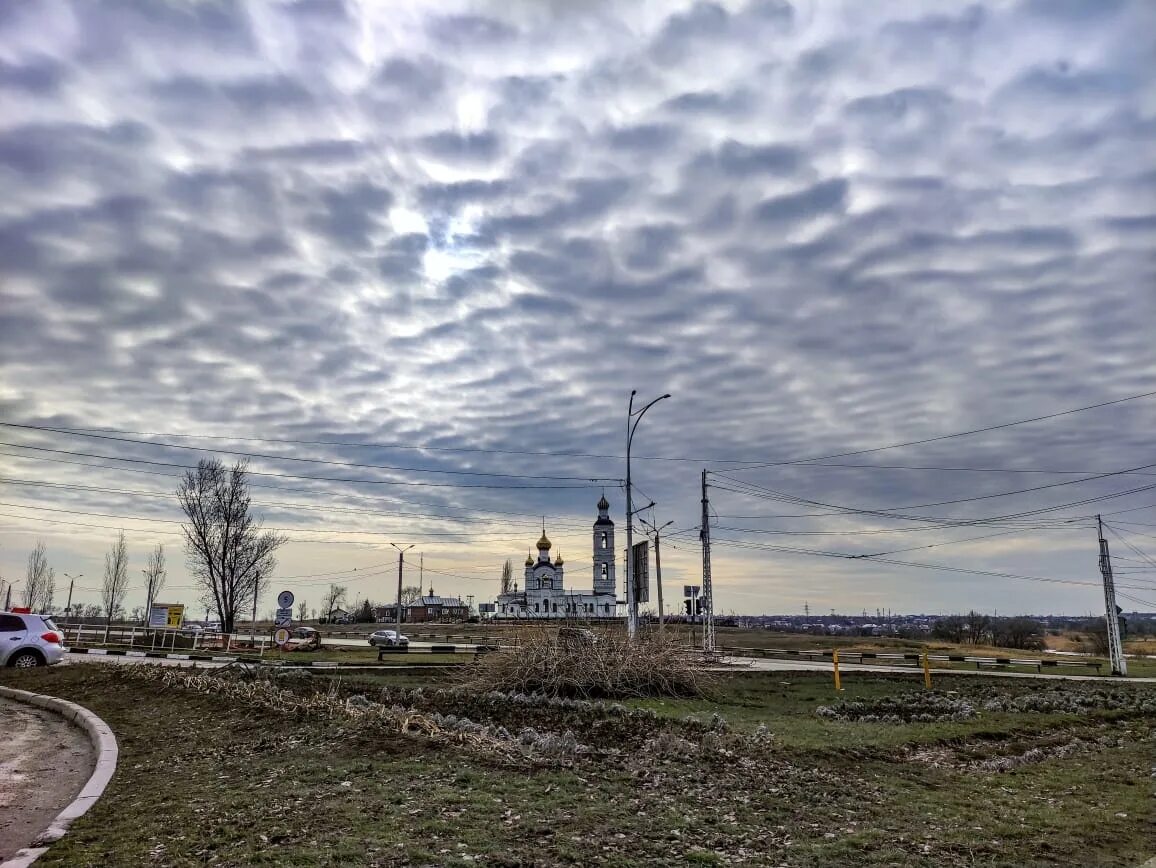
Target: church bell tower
[[604, 582]]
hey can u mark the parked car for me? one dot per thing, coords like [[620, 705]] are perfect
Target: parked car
[[192, 629], [28, 640], [388, 638]]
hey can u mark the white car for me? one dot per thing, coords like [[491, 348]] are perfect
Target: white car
[[28, 640], [389, 638]]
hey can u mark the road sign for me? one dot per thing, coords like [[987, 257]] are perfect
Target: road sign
[[284, 617], [690, 590], [285, 600], [281, 636]]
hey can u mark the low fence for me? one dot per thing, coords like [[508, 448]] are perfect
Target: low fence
[[158, 638], [911, 658]]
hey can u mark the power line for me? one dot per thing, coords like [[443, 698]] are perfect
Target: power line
[[312, 491], [592, 484], [565, 524], [945, 436], [567, 454], [267, 456]]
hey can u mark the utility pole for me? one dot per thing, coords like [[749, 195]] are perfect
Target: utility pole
[[707, 593], [631, 596], [658, 567], [400, 564], [1115, 647], [71, 581], [8, 598]]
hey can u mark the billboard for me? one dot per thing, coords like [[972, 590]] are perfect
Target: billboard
[[163, 615], [640, 571]]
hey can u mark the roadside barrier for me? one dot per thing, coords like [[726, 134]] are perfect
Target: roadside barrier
[[912, 658]]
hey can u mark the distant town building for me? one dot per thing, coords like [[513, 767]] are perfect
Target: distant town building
[[434, 608], [544, 594]]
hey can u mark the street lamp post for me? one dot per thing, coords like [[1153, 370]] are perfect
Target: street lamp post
[[400, 562], [631, 597], [658, 566]]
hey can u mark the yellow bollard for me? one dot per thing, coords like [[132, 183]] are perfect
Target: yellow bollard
[[835, 663], [926, 672]]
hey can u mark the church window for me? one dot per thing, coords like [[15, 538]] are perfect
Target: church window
[[535, 607], [605, 571], [555, 608], [605, 541]]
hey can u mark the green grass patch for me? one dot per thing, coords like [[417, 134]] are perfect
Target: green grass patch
[[202, 780]]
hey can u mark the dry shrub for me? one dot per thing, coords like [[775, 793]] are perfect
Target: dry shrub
[[603, 666]]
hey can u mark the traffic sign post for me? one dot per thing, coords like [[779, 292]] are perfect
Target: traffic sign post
[[285, 600], [281, 638]]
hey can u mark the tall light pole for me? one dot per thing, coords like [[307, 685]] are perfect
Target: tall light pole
[[400, 563], [633, 417], [658, 565], [71, 581]]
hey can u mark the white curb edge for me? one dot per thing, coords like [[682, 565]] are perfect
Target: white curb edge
[[107, 752]]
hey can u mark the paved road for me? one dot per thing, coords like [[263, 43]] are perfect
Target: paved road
[[44, 762], [770, 664], [350, 643]]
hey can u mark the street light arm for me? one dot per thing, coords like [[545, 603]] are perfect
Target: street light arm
[[639, 415]]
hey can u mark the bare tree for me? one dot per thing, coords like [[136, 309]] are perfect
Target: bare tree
[[302, 611], [115, 577], [507, 576], [154, 576], [977, 628], [92, 610], [39, 580], [410, 594], [229, 554], [333, 599]]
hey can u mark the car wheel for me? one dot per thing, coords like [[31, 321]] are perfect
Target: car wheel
[[373, 642], [26, 660]]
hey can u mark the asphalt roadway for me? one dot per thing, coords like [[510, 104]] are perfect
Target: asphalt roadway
[[44, 763], [730, 664]]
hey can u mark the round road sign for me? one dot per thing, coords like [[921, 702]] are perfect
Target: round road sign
[[281, 636], [285, 599]]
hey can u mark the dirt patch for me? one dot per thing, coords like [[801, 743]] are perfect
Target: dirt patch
[[44, 762]]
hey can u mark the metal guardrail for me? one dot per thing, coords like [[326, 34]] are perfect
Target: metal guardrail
[[914, 658]]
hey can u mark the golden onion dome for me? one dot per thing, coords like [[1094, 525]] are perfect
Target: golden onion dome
[[558, 560], [529, 560], [544, 543], [603, 503]]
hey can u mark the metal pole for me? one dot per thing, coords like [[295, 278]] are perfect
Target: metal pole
[[1112, 619], [707, 593], [631, 608], [631, 596]]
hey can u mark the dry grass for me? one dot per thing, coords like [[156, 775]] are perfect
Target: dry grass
[[602, 667]]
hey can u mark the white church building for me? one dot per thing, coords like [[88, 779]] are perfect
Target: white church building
[[544, 593]]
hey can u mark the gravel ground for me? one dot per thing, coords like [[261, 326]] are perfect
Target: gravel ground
[[44, 762]]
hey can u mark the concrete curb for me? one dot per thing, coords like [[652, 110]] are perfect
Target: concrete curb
[[103, 742]]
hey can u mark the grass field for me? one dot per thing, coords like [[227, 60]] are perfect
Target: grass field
[[309, 779]]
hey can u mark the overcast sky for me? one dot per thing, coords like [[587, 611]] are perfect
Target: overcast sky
[[473, 228]]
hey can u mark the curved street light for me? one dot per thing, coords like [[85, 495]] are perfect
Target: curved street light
[[633, 417]]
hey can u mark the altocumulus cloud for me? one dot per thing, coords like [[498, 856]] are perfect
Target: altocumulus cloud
[[823, 227]]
